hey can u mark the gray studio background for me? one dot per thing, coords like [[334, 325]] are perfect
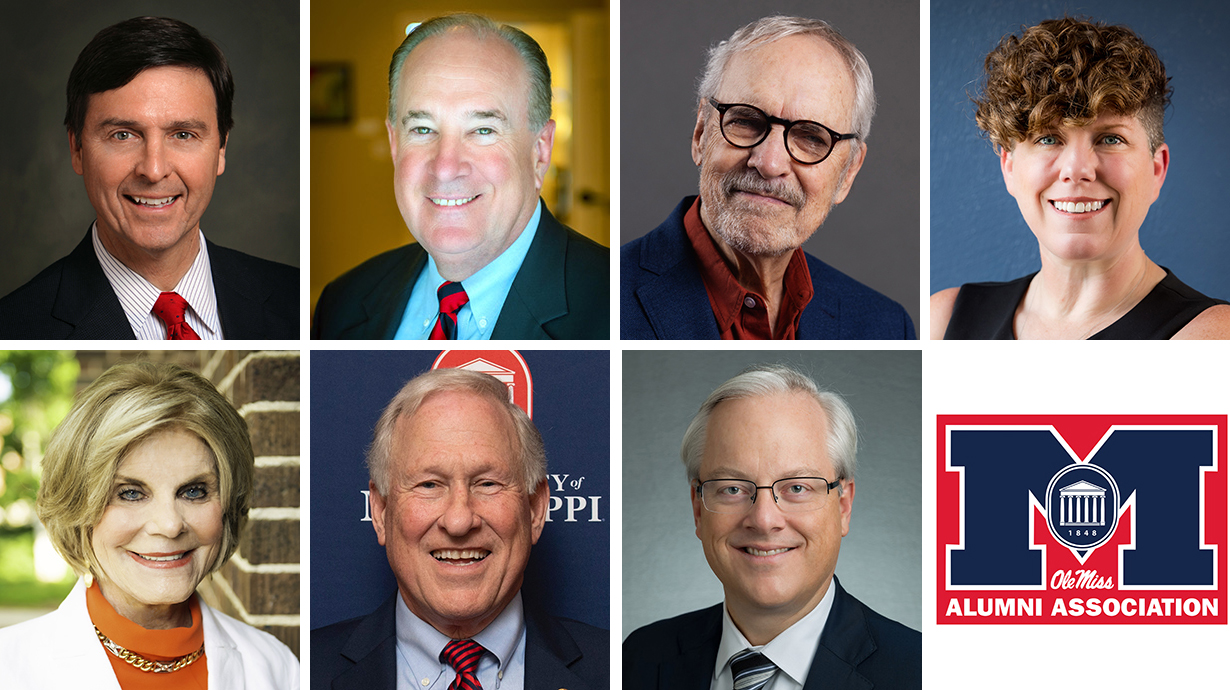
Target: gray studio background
[[664, 569], [977, 233], [44, 211], [874, 235]]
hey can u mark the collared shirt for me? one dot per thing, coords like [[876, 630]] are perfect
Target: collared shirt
[[792, 650], [487, 290], [502, 666], [741, 313], [137, 295]]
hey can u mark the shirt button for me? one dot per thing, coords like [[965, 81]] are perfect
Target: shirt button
[[427, 323], [749, 302], [425, 682], [482, 323]]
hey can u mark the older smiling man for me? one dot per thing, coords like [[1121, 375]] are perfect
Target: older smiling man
[[459, 494], [783, 112]]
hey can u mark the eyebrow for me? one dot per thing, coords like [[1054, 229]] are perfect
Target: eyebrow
[[469, 115], [205, 477], [177, 124], [732, 473]]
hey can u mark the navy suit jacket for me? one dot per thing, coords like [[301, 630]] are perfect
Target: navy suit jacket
[[561, 292], [72, 299], [858, 650], [361, 653], [662, 295]]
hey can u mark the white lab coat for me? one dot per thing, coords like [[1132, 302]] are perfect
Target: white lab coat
[[60, 651]]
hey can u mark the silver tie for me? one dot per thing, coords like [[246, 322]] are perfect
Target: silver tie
[[752, 670]]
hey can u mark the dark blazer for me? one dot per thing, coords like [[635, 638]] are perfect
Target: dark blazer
[[858, 650], [662, 295], [561, 291], [72, 299], [361, 653]]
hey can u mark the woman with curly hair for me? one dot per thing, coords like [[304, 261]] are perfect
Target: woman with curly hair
[[1074, 109]]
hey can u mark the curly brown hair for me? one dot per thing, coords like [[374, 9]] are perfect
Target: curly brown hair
[[1070, 71]]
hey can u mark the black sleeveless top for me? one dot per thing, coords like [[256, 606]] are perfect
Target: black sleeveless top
[[984, 311]]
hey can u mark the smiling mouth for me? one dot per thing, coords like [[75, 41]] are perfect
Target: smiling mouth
[[460, 556], [163, 560], [1077, 207], [771, 552], [452, 202], [150, 202]]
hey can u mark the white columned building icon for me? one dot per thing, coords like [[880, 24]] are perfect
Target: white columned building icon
[[1082, 505]]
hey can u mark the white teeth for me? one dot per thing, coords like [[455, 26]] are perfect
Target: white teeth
[[163, 558], [758, 552], [1077, 207], [459, 555], [153, 203], [452, 202]]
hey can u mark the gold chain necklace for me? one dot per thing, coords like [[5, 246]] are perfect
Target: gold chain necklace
[[148, 665]]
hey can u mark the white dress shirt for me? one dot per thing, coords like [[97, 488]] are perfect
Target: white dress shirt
[[792, 650], [137, 295]]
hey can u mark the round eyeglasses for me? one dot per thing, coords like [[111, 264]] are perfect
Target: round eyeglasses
[[792, 495], [745, 126]]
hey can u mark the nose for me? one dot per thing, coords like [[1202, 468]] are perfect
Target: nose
[[459, 517], [770, 157], [764, 515], [1078, 164], [165, 518], [153, 164], [450, 159]]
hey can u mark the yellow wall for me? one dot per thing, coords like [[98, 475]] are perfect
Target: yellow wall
[[353, 213]]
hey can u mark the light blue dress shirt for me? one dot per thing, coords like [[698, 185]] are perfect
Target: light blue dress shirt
[[502, 666], [487, 290]]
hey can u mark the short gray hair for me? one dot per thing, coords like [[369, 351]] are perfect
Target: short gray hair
[[532, 57], [774, 379], [411, 397], [769, 29]]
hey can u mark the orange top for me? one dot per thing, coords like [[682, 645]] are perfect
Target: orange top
[[159, 645]]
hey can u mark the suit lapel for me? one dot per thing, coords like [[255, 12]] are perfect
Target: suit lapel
[[85, 300], [537, 295], [673, 299], [549, 651], [385, 305], [241, 296], [844, 644], [692, 669], [373, 649]]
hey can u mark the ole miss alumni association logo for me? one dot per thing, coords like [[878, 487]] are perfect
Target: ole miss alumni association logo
[[1081, 519]]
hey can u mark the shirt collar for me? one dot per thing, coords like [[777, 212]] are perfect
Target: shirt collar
[[419, 645], [137, 295], [792, 650]]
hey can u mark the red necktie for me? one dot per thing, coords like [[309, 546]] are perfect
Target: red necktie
[[452, 298], [170, 309], [463, 655]]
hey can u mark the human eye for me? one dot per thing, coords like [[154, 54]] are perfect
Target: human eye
[[122, 136], [487, 487], [184, 136], [1046, 140], [732, 489], [485, 131], [195, 492], [1113, 140], [128, 493]]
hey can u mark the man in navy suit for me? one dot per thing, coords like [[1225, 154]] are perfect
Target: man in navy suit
[[149, 112], [771, 459], [458, 495], [783, 112]]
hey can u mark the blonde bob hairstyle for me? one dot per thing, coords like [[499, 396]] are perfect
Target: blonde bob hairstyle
[[122, 408]]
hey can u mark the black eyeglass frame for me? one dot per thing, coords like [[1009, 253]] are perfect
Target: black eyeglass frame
[[700, 486], [786, 125]]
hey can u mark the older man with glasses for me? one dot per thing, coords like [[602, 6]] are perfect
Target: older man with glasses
[[771, 460], [728, 264]]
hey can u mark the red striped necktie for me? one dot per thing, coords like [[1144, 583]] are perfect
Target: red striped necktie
[[170, 307], [452, 298], [463, 655]]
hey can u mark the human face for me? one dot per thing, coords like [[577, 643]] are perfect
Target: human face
[[458, 522], [162, 529], [150, 152], [771, 563], [467, 167], [1106, 165], [759, 200]]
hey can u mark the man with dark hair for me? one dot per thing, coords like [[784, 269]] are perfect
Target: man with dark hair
[[148, 116], [471, 135]]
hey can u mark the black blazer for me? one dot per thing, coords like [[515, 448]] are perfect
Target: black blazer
[[361, 653], [858, 650], [561, 291], [72, 299]]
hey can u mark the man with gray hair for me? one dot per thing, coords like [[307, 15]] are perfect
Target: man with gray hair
[[459, 494], [470, 129], [771, 460], [729, 264]]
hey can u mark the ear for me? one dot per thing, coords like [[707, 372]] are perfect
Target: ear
[[846, 504], [698, 507], [222, 153], [538, 510], [698, 133], [1005, 167], [542, 152], [860, 153], [1161, 163], [378, 504], [74, 149], [392, 138]]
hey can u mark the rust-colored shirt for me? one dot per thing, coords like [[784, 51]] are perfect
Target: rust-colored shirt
[[160, 645], [741, 313]]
